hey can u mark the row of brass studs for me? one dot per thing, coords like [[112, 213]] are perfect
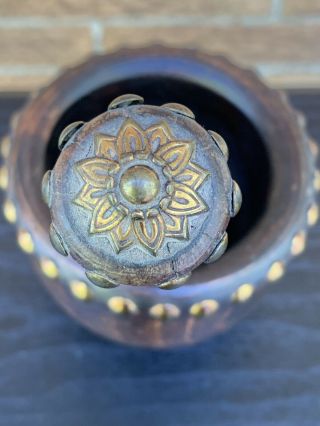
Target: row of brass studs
[[120, 305]]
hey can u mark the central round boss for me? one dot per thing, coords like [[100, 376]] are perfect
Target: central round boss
[[139, 184]]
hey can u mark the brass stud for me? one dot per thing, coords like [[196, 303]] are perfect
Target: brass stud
[[298, 243], [25, 241], [100, 280], [316, 181], [9, 211], [243, 293], [276, 271], [236, 198], [122, 305], [220, 142], [5, 147], [57, 241], [4, 177], [125, 101], [68, 132], [139, 184], [179, 109], [80, 290], [219, 249], [204, 308], [314, 148], [49, 268], [45, 187], [313, 214], [173, 284], [164, 311]]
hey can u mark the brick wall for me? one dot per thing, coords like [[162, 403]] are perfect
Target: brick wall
[[280, 38]]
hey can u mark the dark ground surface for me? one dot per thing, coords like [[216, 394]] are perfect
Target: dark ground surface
[[265, 371]]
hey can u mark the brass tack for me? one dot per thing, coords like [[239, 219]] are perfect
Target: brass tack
[[164, 311], [316, 181], [4, 177], [220, 142], [298, 243], [243, 293], [68, 132], [100, 280], [314, 148], [80, 290], [125, 101], [57, 241], [219, 249], [173, 284], [49, 268], [9, 211], [5, 147], [179, 109], [313, 215], [25, 241], [204, 308], [276, 271], [236, 198], [122, 305], [45, 187]]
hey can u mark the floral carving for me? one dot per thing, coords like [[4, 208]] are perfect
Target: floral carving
[[145, 221]]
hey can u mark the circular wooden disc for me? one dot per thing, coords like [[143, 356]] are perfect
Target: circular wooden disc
[[140, 195]]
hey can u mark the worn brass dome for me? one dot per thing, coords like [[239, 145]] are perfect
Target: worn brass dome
[[139, 184]]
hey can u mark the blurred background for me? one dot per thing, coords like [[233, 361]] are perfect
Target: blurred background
[[277, 37]]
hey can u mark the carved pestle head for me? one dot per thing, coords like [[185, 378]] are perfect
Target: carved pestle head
[[141, 195]]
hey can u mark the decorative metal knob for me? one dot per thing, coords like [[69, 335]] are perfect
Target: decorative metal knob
[[141, 195]]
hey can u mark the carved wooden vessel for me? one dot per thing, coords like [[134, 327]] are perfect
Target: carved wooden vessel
[[271, 158]]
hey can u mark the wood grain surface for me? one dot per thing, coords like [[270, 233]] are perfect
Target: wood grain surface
[[265, 371]]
